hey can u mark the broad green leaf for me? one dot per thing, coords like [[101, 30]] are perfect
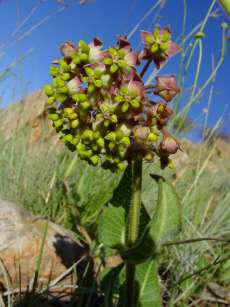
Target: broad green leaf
[[148, 286], [141, 251], [166, 222], [112, 227], [122, 194], [226, 6]]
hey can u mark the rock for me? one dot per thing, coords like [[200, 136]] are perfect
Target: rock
[[21, 237]]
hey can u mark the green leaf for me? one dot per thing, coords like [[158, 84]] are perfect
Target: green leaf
[[112, 227], [122, 194], [148, 286], [166, 222]]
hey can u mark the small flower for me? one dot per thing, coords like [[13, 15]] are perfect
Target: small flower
[[74, 85], [169, 145], [68, 49], [122, 57], [166, 87], [95, 52], [158, 45]]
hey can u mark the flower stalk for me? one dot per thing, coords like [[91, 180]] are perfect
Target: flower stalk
[[133, 226]]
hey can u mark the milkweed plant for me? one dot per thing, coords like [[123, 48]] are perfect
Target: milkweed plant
[[102, 109]]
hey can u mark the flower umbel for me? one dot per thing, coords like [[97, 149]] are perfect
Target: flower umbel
[[99, 105]]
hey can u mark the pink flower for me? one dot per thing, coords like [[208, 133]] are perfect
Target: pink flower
[[169, 144], [158, 46], [68, 49], [166, 87], [95, 52]]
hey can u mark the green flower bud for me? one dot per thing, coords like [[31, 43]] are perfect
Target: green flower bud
[[111, 136], [81, 97], [199, 35], [87, 134], [119, 134], [58, 82], [98, 83], [152, 137], [50, 100], [170, 164], [80, 147], [74, 124], [58, 123], [89, 71], [53, 116], [113, 68], [54, 71], [149, 39], [125, 107], [65, 67], [224, 25], [112, 145], [48, 90], [156, 33], [121, 63], [65, 76], [106, 122], [113, 51], [86, 153], [101, 142], [121, 166], [91, 88], [85, 105], [113, 118], [118, 99], [165, 37], [62, 98], [96, 135], [95, 159], [68, 110], [108, 61], [149, 156], [75, 141], [83, 57], [76, 60], [124, 90], [72, 116], [63, 90], [68, 138], [83, 46], [164, 46], [154, 48], [95, 147], [135, 103], [125, 140]]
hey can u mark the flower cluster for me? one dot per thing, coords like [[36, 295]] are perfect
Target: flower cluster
[[100, 106]]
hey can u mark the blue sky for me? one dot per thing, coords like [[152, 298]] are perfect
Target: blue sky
[[34, 51]]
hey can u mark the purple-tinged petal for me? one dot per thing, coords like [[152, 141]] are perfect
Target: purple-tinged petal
[[136, 86], [131, 59], [74, 85], [169, 144], [173, 49], [97, 42], [68, 49], [145, 35], [166, 87], [123, 42]]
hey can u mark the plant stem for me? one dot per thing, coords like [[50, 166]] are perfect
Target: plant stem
[[133, 227]]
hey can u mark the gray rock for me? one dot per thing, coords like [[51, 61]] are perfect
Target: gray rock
[[21, 237]]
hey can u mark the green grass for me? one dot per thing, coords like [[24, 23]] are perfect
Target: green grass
[[51, 182]]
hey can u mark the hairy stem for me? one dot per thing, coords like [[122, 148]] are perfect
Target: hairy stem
[[133, 227]]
